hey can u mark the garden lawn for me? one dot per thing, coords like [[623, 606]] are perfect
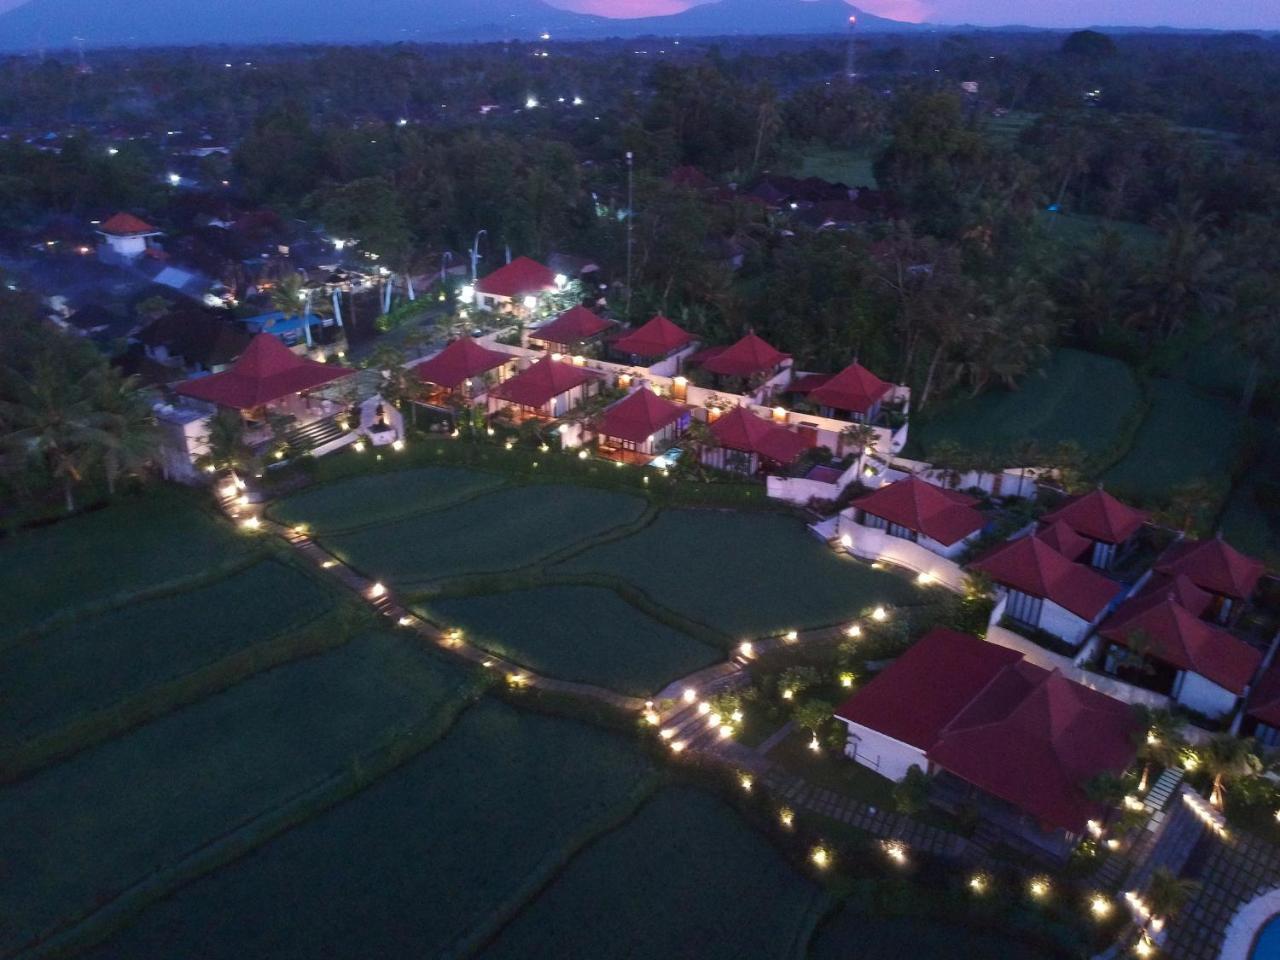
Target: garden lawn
[[416, 862], [79, 833], [586, 634], [380, 497], [685, 878], [1081, 397], [853, 168], [744, 574], [1187, 437], [59, 677], [504, 530], [134, 544], [856, 933]]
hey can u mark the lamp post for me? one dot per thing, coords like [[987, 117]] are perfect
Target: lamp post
[[630, 215], [475, 253]]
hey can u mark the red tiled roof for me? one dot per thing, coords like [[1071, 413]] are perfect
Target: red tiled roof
[[1213, 565], [1182, 589], [1264, 701], [942, 515], [1099, 516], [521, 277], [740, 429], [1065, 540], [749, 355], [923, 690], [266, 371], [126, 225], [1031, 566], [576, 323], [1034, 739], [541, 382], [459, 361], [638, 416], [1182, 640], [657, 338], [855, 388]]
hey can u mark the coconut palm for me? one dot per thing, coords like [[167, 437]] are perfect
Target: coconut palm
[[1168, 893], [1160, 741], [860, 437], [1229, 758], [698, 439], [124, 424], [227, 447]]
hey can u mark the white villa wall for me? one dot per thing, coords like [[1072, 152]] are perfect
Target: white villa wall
[[886, 756], [1063, 623], [874, 544], [1203, 695], [800, 491]]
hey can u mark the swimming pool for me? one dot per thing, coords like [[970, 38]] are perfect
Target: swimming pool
[[1266, 946]]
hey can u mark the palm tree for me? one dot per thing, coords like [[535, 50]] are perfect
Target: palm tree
[[1229, 758], [860, 437], [227, 448], [1168, 893], [1026, 452], [1160, 741], [124, 423]]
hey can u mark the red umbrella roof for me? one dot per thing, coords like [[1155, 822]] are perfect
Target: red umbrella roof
[[520, 277], [942, 515], [749, 355], [855, 388], [577, 323], [639, 416], [1031, 566], [657, 338], [740, 429], [1213, 565], [266, 371], [126, 225], [459, 361], [1100, 516], [543, 381]]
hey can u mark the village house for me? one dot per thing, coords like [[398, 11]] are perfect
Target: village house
[[996, 732], [941, 521], [1213, 565], [746, 443], [193, 339], [1157, 639], [1261, 718], [572, 332], [1108, 524], [125, 238], [854, 394], [659, 345], [548, 389], [463, 371], [640, 426], [514, 287], [1040, 589]]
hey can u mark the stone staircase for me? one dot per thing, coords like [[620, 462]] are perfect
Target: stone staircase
[[314, 434]]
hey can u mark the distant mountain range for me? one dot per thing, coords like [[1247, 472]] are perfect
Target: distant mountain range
[[55, 24]]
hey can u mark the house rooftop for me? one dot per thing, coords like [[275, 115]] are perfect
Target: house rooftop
[[1213, 565], [656, 338], [942, 515], [1033, 567], [542, 382], [575, 324], [266, 371], [1099, 516], [638, 416], [742, 430], [459, 361], [855, 388], [750, 355], [127, 225], [521, 277], [1064, 539]]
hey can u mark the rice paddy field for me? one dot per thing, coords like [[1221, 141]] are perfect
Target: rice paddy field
[[417, 864], [81, 832], [685, 878], [504, 530], [855, 933], [585, 634], [744, 574], [1078, 397], [854, 168], [135, 544], [380, 497], [54, 678]]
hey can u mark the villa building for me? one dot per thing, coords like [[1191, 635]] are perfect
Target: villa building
[[855, 393], [746, 443], [1109, 525], [125, 238], [941, 521], [546, 390], [1040, 589], [995, 731], [463, 370], [659, 345], [750, 359], [571, 332], [640, 426], [1212, 565], [1262, 713], [510, 287]]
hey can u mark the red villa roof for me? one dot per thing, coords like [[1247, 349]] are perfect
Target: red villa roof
[[740, 429], [1065, 540], [576, 323], [749, 355], [1031, 566], [639, 416], [1099, 516], [855, 388], [266, 371], [542, 382], [520, 277], [1264, 702], [657, 338], [942, 515], [1213, 565], [459, 361], [1179, 638], [126, 225]]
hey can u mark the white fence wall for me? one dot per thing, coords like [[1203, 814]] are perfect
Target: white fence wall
[[872, 544]]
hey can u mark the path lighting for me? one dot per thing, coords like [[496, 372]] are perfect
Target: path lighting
[[667, 733], [853, 632], [651, 717], [329, 564], [1132, 803], [300, 529], [925, 578], [677, 746], [1190, 760], [250, 523], [582, 454], [243, 501], [979, 883], [405, 621], [489, 431], [543, 448], [510, 445], [736, 716], [517, 679], [791, 636], [879, 615], [814, 745], [821, 857], [230, 490], [788, 693], [896, 851], [726, 731], [1099, 906], [530, 303], [1039, 888], [379, 589], [486, 663], [689, 695], [561, 279], [747, 650], [787, 817], [846, 541], [745, 781], [704, 708], [1144, 947], [1113, 844], [713, 719], [359, 446], [397, 445], [1094, 828], [846, 680]]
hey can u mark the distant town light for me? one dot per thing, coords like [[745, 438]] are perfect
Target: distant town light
[[577, 101], [174, 179], [531, 103]]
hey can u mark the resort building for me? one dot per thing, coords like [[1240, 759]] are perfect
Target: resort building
[[997, 732], [1214, 566], [640, 426], [546, 390], [1108, 524], [659, 345], [1040, 589], [125, 238], [855, 393], [463, 370], [1157, 639], [514, 287], [750, 361], [746, 443], [573, 332], [941, 521]]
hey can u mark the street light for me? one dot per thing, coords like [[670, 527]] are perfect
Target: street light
[[475, 252]]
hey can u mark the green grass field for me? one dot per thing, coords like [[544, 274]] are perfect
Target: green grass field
[[744, 574], [413, 864], [380, 497], [685, 878], [1186, 437], [503, 530], [853, 168], [1081, 397], [1070, 231], [58, 677], [135, 544], [82, 831], [854, 933], [587, 634]]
